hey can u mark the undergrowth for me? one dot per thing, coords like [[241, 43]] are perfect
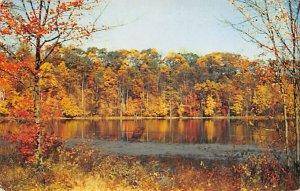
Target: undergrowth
[[83, 168]]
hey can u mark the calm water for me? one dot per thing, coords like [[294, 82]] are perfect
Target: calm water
[[261, 133]]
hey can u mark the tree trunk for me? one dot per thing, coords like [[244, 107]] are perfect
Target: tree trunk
[[126, 100], [286, 125], [82, 94], [36, 104], [37, 121], [147, 98], [228, 102], [296, 115], [201, 108], [121, 103], [170, 109]]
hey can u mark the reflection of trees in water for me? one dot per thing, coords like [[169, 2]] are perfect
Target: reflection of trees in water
[[210, 130], [216, 131], [192, 131], [224, 131], [259, 137], [167, 131], [109, 129], [159, 130], [266, 134], [180, 131], [153, 130], [73, 129], [240, 133], [105, 129]]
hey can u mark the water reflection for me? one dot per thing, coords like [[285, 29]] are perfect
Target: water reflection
[[221, 131]]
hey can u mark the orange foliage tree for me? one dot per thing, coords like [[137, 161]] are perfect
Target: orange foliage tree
[[274, 27], [44, 25]]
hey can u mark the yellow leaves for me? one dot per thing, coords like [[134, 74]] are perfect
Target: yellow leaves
[[210, 105], [180, 110], [165, 69], [289, 99], [153, 51], [207, 86], [157, 107], [62, 68], [123, 68], [47, 67], [237, 106], [109, 78], [262, 99], [3, 108], [176, 57], [162, 107], [47, 76], [132, 107], [69, 107], [184, 67]]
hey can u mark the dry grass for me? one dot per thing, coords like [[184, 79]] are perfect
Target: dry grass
[[84, 169]]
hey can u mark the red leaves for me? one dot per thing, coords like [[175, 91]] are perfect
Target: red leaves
[[76, 3], [26, 141], [60, 18], [12, 67], [22, 108]]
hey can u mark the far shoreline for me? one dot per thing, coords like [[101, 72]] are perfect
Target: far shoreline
[[252, 117], [173, 118]]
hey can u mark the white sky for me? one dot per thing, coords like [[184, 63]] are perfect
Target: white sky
[[171, 25]]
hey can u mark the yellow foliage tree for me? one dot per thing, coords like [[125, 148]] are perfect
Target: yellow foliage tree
[[180, 110], [261, 99], [210, 105], [132, 107], [3, 108], [237, 106], [48, 81], [162, 107], [69, 108]]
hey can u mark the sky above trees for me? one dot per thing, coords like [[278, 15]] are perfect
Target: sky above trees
[[171, 25]]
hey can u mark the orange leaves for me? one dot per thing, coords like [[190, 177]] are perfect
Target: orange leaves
[[76, 3], [265, 73], [2, 57], [5, 31], [21, 107], [10, 69], [26, 141], [48, 21]]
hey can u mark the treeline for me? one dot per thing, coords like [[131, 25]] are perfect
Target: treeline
[[97, 82]]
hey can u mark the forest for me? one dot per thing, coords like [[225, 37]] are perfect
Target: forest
[[48, 78], [131, 83]]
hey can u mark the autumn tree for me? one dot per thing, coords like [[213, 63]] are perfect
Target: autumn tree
[[274, 27], [78, 60], [44, 25], [149, 61], [208, 95]]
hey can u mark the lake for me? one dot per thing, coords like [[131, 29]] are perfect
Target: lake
[[197, 131], [197, 138]]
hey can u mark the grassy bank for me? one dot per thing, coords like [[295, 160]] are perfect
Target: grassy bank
[[81, 168]]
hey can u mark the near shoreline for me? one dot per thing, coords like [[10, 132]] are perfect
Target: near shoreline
[[209, 152]]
